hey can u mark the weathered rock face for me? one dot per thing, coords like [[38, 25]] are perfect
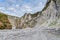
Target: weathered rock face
[[12, 21], [50, 15], [37, 33], [27, 20], [49, 11]]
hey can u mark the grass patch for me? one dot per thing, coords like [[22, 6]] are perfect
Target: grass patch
[[53, 23]]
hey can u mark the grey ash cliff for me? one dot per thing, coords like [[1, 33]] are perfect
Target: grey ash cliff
[[49, 16]]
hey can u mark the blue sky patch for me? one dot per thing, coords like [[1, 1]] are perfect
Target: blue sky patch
[[19, 7]]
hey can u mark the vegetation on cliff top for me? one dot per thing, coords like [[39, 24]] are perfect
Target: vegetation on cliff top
[[4, 22]]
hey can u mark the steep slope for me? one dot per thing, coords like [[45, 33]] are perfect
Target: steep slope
[[4, 22], [27, 20], [50, 14], [37, 33], [49, 17]]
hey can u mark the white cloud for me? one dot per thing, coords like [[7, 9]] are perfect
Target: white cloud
[[11, 8], [17, 6], [39, 7], [22, 6], [26, 8], [2, 8]]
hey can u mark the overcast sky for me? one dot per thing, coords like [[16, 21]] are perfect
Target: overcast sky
[[19, 7]]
